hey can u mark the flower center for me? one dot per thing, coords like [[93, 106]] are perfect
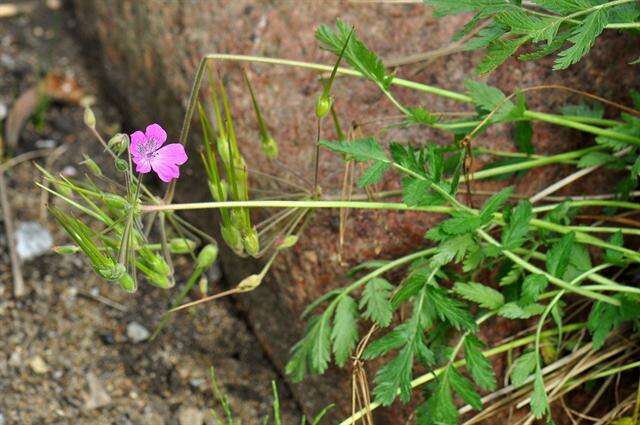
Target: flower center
[[148, 148]]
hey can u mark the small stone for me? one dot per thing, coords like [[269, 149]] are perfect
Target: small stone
[[58, 374], [137, 333], [69, 171], [15, 359], [107, 338], [46, 144], [198, 383], [32, 240], [190, 416], [38, 365], [98, 396], [1, 419], [3, 111]]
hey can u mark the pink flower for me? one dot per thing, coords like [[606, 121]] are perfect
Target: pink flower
[[147, 153]]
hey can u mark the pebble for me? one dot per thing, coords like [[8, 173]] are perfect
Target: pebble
[[137, 333], [98, 396], [32, 240], [69, 171], [38, 365], [3, 111], [46, 144], [1, 419], [190, 416]]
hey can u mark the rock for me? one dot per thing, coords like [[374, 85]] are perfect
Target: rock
[[46, 144], [15, 359], [3, 111], [190, 416], [2, 421], [98, 396], [137, 333], [38, 365], [287, 98], [32, 240]]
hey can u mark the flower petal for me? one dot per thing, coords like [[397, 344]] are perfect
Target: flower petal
[[142, 165], [138, 139], [173, 153], [165, 170], [157, 133]]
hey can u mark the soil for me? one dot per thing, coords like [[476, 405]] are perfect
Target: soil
[[66, 356]]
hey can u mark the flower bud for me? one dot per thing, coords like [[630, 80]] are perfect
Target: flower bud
[[92, 166], [122, 165], [127, 283], [323, 106], [288, 242], [223, 149], [232, 237], [66, 249], [89, 118], [250, 283], [270, 147], [207, 256], [110, 270], [181, 246], [251, 242], [215, 191], [114, 201], [118, 143], [203, 285]]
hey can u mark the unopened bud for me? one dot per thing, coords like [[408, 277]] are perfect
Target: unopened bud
[[66, 249], [288, 242], [203, 285], [122, 165], [250, 283], [92, 166], [114, 201], [232, 237], [118, 143], [207, 256], [251, 242], [323, 106], [270, 147], [89, 118], [223, 149], [181, 246], [220, 192], [127, 283]]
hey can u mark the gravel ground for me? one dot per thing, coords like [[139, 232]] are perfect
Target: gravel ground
[[69, 353]]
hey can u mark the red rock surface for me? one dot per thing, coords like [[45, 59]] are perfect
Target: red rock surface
[[148, 51]]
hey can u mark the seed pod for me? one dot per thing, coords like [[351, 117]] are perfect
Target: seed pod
[[89, 118], [250, 283], [114, 201], [323, 105], [222, 145], [113, 271], [232, 237], [181, 246], [207, 256], [251, 242], [118, 143], [203, 285], [220, 188], [270, 147]]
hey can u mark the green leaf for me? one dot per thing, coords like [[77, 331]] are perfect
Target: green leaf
[[417, 193], [532, 286], [391, 341], [539, 403], [439, 408], [461, 223], [594, 159], [453, 248], [411, 285], [583, 110], [303, 353], [635, 169], [356, 53], [564, 7], [480, 294], [495, 203], [421, 116], [603, 319], [360, 149], [559, 254], [393, 376], [523, 367], [512, 310], [582, 37], [345, 329], [464, 388], [376, 299], [478, 365], [615, 257], [448, 309], [523, 136], [321, 338], [489, 98], [373, 174], [515, 232], [498, 52]]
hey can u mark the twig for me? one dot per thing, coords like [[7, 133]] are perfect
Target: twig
[[103, 300], [19, 289]]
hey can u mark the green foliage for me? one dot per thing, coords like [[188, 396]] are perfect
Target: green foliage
[[523, 367], [478, 365], [345, 330], [376, 299], [545, 27], [480, 294]]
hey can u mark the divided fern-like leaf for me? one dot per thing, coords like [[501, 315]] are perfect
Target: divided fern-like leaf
[[582, 37], [345, 329]]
